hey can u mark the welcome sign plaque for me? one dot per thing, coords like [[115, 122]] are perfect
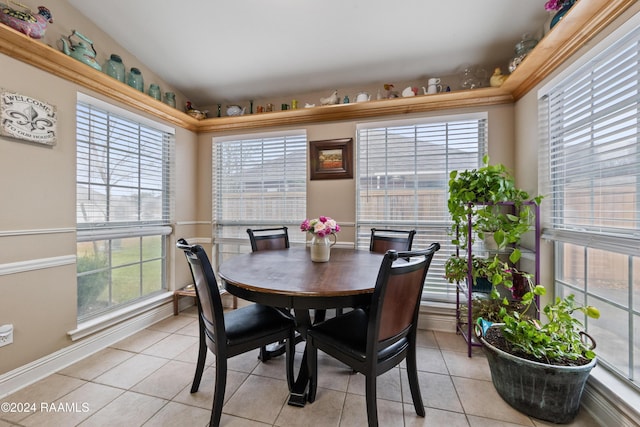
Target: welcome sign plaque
[[26, 118]]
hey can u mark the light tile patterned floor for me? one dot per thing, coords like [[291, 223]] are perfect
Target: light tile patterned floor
[[145, 380]]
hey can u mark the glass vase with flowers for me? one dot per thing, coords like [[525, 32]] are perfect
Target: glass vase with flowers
[[321, 229]]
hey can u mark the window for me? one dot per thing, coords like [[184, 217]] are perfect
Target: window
[[123, 206], [403, 176], [592, 184], [259, 181]]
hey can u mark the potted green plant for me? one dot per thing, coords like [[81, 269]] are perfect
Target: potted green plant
[[488, 274], [498, 228], [540, 369], [479, 193], [493, 270], [488, 200]]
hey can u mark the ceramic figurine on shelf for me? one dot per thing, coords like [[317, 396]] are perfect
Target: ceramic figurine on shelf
[[193, 112], [346, 99], [497, 79], [390, 92], [409, 91], [331, 99], [235, 110], [363, 97], [24, 21]]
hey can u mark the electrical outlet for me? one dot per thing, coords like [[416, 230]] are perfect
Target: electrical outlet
[[6, 335]]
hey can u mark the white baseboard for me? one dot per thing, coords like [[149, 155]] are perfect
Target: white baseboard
[[30, 373], [437, 322], [437, 317]]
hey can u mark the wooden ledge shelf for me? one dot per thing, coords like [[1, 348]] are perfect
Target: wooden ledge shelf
[[378, 108], [585, 20]]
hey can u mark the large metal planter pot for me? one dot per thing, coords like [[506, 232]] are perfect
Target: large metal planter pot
[[543, 391]]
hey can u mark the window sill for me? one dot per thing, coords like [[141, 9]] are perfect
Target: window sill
[[606, 390], [103, 322]]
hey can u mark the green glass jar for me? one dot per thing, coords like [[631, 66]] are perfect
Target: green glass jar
[[114, 67], [170, 99], [135, 79], [154, 91]]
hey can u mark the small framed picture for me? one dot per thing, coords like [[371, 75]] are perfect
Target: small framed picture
[[331, 159]]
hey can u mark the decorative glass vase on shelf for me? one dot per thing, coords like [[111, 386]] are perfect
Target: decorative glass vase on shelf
[[154, 91], [522, 49], [170, 99], [562, 7], [114, 67], [135, 79]]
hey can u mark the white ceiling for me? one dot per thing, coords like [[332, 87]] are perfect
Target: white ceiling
[[225, 50]]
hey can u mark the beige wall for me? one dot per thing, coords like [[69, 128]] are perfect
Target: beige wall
[[37, 199]]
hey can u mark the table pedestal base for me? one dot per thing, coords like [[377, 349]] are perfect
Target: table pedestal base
[[298, 396]]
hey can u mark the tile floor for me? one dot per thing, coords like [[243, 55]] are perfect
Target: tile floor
[[145, 380]]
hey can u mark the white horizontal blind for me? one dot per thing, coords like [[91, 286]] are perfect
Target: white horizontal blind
[[259, 181], [124, 201], [124, 171], [403, 175], [594, 153]]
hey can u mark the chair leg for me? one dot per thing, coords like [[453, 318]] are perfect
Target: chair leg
[[264, 354], [412, 374], [372, 406], [312, 367], [202, 357], [289, 358], [218, 393]]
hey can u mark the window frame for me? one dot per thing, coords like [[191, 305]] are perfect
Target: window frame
[[229, 234], [437, 289], [104, 234], [575, 247]]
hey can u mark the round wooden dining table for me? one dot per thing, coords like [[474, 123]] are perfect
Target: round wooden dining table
[[287, 278]]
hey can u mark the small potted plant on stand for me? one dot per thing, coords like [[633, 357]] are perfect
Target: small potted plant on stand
[[488, 274], [478, 193], [540, 369]]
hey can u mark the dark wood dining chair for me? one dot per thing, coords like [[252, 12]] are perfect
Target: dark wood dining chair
[[268, 238], [398, 240], [265, 239], [383, 240], [376, 340], [232, 333]]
